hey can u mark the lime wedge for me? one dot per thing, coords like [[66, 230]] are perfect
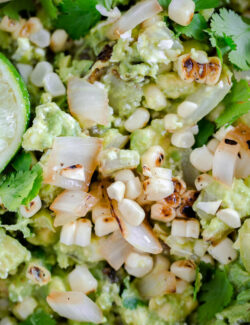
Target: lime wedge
[[14, 110]]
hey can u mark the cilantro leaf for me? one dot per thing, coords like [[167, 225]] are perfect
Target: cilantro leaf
[[214, 296], [50, 8], [132, 303], [13, 8], [22, 161], [206, 4], [77, 16], [227, 23], [237, 103], [39, 317], [20, 187], [206, 130], [222, 44], [195, 29]]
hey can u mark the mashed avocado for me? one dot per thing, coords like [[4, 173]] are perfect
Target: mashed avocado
[[12, 254], [49, 123]]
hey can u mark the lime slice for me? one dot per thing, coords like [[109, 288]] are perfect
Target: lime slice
[[14, 110]]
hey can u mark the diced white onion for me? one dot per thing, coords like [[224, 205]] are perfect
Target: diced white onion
[[38, 74], [223, 251], [181, 11], [209, 207], [221, 133], [137, 120], [230, 217], [202, 159], [53, 84], [41, 38], [134, 16], [74, 203], [115, 249], [88, 102], [80, 279], [224, 162], [75, 306], [71, 151]]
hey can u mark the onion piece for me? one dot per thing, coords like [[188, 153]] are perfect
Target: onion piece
[[72, 151], [141, 237], [224, 162], [241, 134], [115, 249], [88, 102], [157, 284], [134, 16], [69, 205], [75, 306], [207, 98]]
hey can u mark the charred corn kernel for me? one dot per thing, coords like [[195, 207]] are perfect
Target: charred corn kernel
[[172, 122], [83, 232], [183, 139], [105, 225], [137, 120], [156, 188], [202, 181], [138, 265], [131, 211], [162, 212], [186, 108], [133, 188], [24, 308], [154, 98], [202, 159], [67, 235], [153, 157], [58, 40], [181, 11], [184, 269], [116, 191], [33, 207], [124, 175]]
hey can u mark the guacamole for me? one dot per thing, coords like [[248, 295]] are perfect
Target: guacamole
[[139, 214]]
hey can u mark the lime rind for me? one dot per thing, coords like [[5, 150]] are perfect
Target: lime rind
[[18, 96]]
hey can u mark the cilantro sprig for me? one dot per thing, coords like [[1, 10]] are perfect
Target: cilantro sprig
[[20, 186], [214, 296], [229, 26]]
